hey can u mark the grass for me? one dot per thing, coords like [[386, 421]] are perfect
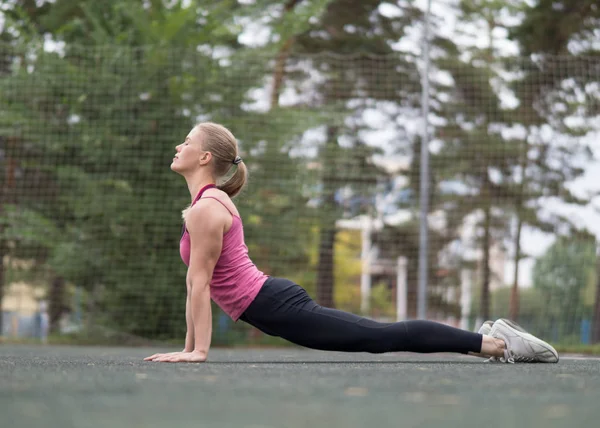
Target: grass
[[105, 337], [81, 340], [579, 349]]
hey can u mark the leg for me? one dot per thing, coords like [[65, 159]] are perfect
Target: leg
[[284, 309]]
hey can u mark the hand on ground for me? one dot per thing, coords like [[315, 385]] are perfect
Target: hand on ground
[[152, 357], [179, 357]]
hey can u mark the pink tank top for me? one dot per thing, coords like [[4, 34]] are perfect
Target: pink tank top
[[236, 280]]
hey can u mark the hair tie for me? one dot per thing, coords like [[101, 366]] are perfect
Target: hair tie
[[237, 160]]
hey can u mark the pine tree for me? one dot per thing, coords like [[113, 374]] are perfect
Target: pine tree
[[365, 74]]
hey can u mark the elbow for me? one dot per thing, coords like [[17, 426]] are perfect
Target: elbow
[[199, 295], [199, 287], [197, 282]]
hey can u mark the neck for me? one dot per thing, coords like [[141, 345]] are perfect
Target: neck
[[196, 182]]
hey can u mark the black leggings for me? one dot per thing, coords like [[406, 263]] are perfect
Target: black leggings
[[283, 308]]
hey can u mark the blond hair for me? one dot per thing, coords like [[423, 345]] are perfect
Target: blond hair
[[220, 141]]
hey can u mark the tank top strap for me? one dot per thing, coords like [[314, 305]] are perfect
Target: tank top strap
[[221, 202], [201, 192], [205, 188]]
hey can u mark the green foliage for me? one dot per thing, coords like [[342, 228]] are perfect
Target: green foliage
[[499, 176], [475, 161], [559, 298], [345, 161], [558, 27], [97, 130], [94, 96], [563, 273]]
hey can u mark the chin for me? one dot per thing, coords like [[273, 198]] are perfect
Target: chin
[[178, 170]]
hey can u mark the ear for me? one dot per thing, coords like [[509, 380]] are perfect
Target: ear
[[205, 158]]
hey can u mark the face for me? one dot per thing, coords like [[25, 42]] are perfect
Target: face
[[189, 154]]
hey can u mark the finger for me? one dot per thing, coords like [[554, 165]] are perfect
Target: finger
[[150, 357], [157, 356]]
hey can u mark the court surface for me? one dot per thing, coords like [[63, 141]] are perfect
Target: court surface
[[60, 387]]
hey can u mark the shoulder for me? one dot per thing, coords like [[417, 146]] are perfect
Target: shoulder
[[205, 225], [204, 218], [217, 193], [221, 201]]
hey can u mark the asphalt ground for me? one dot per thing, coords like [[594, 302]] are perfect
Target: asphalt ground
[[61, 387]]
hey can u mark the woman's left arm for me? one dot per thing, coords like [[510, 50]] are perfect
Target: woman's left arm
[[205, 227], [206, 236]]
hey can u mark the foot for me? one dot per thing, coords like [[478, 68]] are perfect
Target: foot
[[522, 347], [486, 328]]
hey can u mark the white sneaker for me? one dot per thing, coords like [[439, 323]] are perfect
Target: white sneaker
[[486, 327], [522, 347]]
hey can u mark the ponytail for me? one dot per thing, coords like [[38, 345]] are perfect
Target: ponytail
[[223, 145], [237, 181]]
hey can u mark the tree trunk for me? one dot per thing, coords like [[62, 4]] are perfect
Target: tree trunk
[[284, 53], [328, 229], [412, 279], [2, 276], [325, 267], [485, 285], [279, 72], [56, 304], [514, 294], [596, 316], [6, 197], [92, 307]]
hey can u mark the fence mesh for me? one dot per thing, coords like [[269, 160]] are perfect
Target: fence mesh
[[91, 212]]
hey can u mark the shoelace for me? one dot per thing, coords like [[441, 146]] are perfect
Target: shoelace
[[511, 357]]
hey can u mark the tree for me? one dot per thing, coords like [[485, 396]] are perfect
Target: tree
[[558, 27], [551, 28], [345, 160], [107, 141], [562, 274], [99, 188], [474, 158], [596, 309], [506, 177]]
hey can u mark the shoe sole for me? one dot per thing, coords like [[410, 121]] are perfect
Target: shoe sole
[[532, 338]]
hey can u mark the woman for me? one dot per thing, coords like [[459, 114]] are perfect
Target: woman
[[213, 248]]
